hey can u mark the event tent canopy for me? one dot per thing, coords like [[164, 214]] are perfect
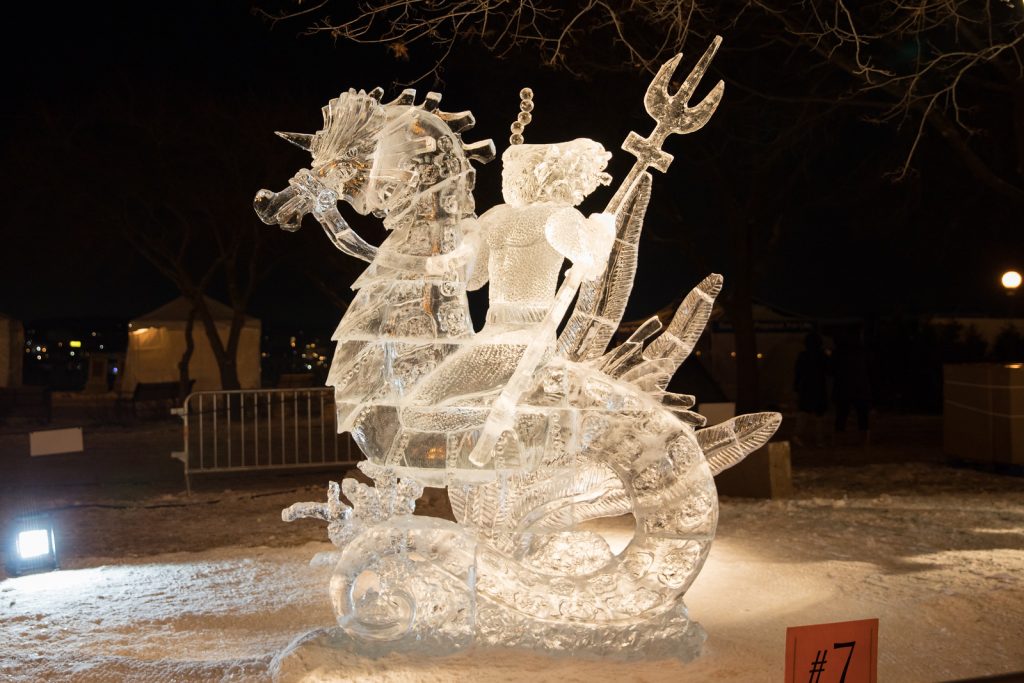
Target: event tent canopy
[[12, 341], [156, 343]]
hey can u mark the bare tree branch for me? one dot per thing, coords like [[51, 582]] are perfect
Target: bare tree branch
[[920, 63]]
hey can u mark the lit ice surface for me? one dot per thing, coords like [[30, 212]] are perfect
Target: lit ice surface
[[534, 434]]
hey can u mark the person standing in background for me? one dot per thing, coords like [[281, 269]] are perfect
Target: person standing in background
[[852, 388], [811, 386]]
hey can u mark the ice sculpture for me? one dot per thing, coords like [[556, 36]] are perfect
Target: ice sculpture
[[533, 433]]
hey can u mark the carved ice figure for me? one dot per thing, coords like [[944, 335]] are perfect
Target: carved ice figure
[[533, 435], [519, 247], [407, 164]]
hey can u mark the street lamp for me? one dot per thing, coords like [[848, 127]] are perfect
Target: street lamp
[[1011, 281]]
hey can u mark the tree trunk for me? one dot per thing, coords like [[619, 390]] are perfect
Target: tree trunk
[[229, 368], [741, 311], [184, 381], [225, 356]]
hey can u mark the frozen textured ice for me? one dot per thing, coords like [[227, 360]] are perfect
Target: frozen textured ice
[[533, 433]]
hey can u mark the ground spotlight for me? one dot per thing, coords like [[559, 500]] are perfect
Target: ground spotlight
[[32, 546]]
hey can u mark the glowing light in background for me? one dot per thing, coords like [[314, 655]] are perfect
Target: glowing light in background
[[1011, 279]]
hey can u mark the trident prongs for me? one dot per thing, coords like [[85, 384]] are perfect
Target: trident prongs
[[657, 96], [671, 114], [673, 110]]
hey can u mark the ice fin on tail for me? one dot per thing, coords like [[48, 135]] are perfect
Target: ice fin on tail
[[680, 405], [688, 323], [664, 355], [726, 444], [628, 353]]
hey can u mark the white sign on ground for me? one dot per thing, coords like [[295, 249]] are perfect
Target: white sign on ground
[[54, 441]]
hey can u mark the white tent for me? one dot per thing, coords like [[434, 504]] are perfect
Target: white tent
[[156, 342], [12, 343]]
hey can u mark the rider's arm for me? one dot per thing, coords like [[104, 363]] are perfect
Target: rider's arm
[[584, 241]]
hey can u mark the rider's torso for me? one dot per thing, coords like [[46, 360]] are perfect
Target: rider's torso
[[522, 265]]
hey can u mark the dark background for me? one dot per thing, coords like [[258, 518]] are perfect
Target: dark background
[[172, 107]]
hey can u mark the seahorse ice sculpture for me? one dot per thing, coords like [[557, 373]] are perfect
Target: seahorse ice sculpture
[[534, 435]]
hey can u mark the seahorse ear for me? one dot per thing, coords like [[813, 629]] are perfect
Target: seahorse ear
[[407, 96], [482, 151], [458, 121], [726, 444], [432, 101]]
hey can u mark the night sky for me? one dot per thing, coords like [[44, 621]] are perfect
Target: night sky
[[112, 114]]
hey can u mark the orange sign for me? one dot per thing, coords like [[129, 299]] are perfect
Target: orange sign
[[845, 652]]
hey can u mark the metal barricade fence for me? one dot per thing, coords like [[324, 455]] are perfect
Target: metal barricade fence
[[261, 429]]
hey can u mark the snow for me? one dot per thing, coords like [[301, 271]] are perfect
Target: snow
[[164, 587], [216, 615], [941, 568]]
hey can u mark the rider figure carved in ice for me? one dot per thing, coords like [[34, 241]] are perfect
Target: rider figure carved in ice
[[519, 248]]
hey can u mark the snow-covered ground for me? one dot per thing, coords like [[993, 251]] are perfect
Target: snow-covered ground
[[212, 587]]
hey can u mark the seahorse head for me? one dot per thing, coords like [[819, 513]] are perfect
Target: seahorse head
[[379, 157]]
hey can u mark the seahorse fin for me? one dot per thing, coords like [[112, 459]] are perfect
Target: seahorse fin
[[663, 356], [726, 444], [627, 354], [688, 323], [680, 405]]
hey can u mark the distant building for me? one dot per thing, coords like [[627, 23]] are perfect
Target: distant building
[[12, 350], [156, 343]]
